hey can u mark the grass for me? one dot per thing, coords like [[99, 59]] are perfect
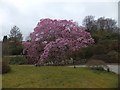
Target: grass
[[24, 76]]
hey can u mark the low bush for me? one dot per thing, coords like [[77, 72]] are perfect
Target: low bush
[[113, 56], [99, 49], [18, 60], [102, 57], [97, 65], [5, 67], [110, 57]]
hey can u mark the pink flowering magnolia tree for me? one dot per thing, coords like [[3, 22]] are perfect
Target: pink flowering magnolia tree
[[55, 40]]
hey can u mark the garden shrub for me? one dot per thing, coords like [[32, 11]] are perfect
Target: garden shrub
[[15, 48], [5, 67], [110, 57], [113, 56], [103, 57], [81, 56], [111, 36], [99, 49], [86, 52], [18, 60], [97, 65], [110, 45], [95, 37]]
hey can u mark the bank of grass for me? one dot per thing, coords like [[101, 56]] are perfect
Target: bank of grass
[[26, 76]]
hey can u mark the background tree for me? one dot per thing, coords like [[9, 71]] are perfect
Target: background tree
[[89, 23], [106, 24], [106, 37], [15, 41], [101, 24], [110, 24], [15, 34], [57, 41]]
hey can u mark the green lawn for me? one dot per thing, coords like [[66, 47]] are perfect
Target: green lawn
[[25, 76]]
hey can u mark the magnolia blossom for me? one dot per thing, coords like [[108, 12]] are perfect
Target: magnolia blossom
[[53, 39]]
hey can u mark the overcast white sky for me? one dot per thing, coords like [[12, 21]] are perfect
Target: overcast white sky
[[27, 13]]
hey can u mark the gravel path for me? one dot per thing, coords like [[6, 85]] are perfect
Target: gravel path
[[113, 68]]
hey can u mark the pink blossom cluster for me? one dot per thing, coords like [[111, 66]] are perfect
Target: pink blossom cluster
[[53, 38]]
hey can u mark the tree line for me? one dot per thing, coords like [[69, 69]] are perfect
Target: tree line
[[12, 43], [104, 31]]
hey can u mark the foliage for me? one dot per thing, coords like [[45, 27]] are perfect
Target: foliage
[[17, 60], [88, 52], [5, 66], [55, 40], [89, 23], [15, 38], [103, 57], [5, 48], [27, 76], [12, 48], [96, 37], [97, 64], [13, 44], [110, 57], [15, 48], [101, 24], [101, 49], [106, 24], [113, 56], [111, 36], [81, 56], [15, 34]]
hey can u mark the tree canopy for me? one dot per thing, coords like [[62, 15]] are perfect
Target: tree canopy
[[54, 39]]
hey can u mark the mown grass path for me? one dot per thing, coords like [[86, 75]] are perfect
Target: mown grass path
[[25, 76]]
